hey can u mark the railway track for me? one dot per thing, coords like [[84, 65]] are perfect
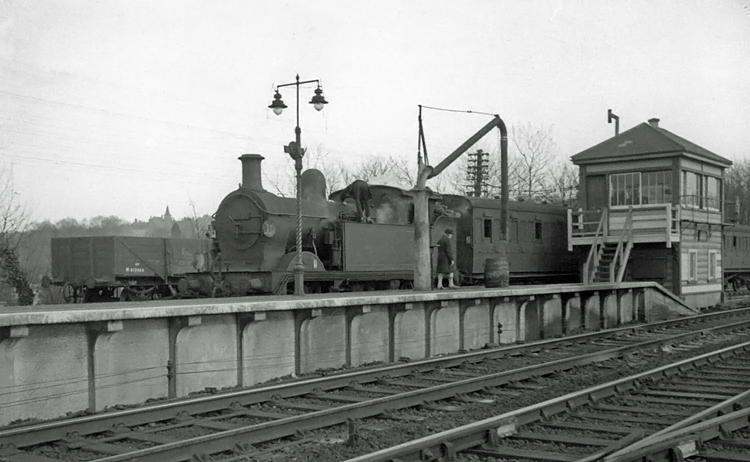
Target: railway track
[[666, 413], [241, 424]]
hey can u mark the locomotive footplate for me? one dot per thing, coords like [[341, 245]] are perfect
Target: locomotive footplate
[[354, 281]]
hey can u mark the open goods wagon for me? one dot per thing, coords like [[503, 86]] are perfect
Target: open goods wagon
[[112, 268]]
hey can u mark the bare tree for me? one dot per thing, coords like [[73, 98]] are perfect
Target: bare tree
[[533, 151], [530, 173], [737, 191], [389, 170], [561, 184], [13, 223], [198, 225], [282, 181]]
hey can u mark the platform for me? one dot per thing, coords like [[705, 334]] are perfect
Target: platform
[[68, 358]]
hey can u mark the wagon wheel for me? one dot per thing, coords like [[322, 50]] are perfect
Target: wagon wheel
[[70, 293], [394, 284]]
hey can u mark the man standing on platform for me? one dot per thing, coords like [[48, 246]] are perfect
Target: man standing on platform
[[445, 260]]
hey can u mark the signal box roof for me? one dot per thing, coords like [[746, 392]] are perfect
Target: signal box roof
[[646, 140]]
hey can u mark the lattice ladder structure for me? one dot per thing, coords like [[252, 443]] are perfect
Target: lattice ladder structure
[[607, 261]]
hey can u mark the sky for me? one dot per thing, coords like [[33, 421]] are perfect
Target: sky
[[125, 107]]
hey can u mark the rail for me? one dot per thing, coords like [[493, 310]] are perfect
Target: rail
[[595, 253], [490, 431]]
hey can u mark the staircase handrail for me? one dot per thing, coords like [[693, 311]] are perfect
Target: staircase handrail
[[594, 251], [621, 272], [619, 258]]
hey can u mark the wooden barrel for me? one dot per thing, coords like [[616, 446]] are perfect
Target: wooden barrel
[[496, 272]]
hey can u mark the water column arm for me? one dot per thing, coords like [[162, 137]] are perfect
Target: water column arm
[[496, 122]]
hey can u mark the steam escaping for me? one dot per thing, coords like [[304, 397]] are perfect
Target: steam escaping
[[384, 214]]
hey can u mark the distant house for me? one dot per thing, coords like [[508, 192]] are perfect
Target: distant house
[[161, 226]]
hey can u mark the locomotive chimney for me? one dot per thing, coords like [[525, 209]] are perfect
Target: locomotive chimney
[[251, 178], [654, 122]]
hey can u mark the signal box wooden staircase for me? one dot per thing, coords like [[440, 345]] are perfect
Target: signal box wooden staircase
[[607, 261]]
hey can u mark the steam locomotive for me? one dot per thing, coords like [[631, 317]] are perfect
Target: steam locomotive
[[255, 239]]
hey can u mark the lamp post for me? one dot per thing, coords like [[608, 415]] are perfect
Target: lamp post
[[295, 151]]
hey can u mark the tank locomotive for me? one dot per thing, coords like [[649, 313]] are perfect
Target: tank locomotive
[[255, 241]]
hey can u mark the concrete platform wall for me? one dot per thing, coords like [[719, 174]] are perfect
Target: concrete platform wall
[[58, 361]]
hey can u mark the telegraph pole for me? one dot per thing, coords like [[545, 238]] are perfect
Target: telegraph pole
[[476, 173]]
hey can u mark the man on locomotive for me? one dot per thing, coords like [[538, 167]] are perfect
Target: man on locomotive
[[445, 260], [359, 190]]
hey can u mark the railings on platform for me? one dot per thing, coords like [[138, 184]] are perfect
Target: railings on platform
[[709, 209], [582, 224], [646, 223]]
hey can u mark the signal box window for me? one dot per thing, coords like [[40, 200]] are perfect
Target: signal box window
[[625, 189], [693, 262], [713, 192], [538, 230], [488, 229], [657, 187], [691, 189], [712, 264]]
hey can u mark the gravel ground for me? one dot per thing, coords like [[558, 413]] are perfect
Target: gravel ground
[[332, 444]]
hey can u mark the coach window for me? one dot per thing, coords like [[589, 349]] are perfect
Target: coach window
[[538, 230], [624, 189], [488, 229]]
